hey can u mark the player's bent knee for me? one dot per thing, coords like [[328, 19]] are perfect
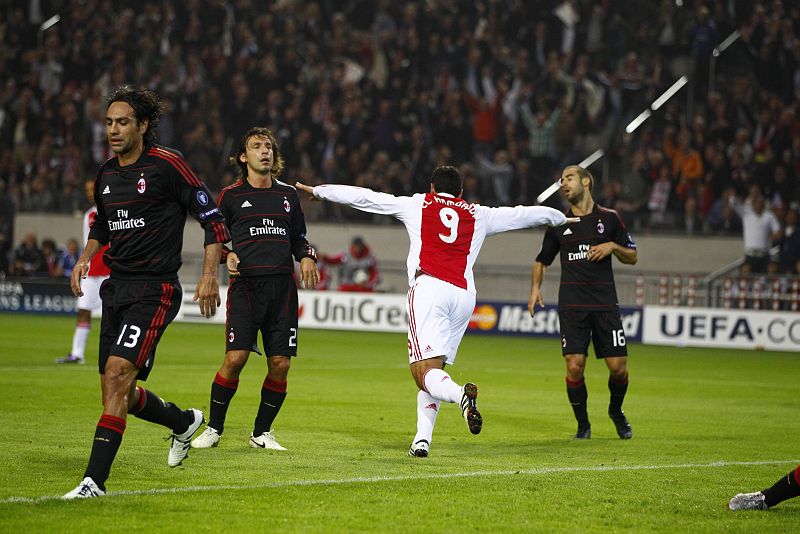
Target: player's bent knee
[[420, 368], [235, 362], [279, 364], [617, 365]]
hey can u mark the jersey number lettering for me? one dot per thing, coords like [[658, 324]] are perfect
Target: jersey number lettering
[[618, 337], [133, 335], [293, 337], [449, 218]]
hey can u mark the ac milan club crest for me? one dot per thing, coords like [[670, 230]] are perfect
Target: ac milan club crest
[[600, 227], [141, 185], [231, 337], [286, 205]]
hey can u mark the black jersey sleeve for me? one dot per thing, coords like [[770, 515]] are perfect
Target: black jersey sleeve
[[195, 197], [98, 229], [221, 205], [550, 247], [299, 242], [622, 236]]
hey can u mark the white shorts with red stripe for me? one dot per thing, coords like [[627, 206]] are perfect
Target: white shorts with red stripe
[[438, 314], [91, 293]]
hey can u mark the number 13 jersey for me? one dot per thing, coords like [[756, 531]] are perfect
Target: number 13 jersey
[[445, 232]]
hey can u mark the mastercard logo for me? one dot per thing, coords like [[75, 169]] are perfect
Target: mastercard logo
[[484, 317]]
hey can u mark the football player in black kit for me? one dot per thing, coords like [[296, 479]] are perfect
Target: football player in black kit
[[587, 299], [143, 194], [268, 231]]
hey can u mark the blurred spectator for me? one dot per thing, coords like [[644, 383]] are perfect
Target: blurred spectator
[[29, 259], [69, 257], [52, 257], [723, 219], [789, 261], [7, 212], [659, 199], [358, 268], [691, 223], [499, 175], [484, 104], [687, 165], [760, 229], [541, 140]]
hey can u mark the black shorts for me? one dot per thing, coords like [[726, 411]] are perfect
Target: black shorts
[[267, 304], [135, 315], [602, 328]]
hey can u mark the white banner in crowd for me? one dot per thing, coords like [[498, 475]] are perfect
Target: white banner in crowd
[[713, 327]]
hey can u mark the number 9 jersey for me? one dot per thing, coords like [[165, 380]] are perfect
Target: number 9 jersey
[[445, 232]]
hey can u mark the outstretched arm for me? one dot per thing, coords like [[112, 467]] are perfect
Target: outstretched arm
[[360, 198], [506, 218]]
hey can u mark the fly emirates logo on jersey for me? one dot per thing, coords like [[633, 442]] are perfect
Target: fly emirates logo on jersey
[[583, 250], [268, 228], [123, 222]]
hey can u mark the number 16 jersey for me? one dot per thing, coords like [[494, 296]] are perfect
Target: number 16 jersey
[[445, 232]]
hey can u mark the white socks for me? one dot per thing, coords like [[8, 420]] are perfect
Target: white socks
[[441, 386], [79, 339], [427, 410]]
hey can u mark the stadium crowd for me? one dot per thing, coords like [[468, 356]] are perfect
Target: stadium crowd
[[377, 93]]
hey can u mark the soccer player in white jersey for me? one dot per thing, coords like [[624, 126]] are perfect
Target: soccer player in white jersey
[[446, 234], [90, 300]]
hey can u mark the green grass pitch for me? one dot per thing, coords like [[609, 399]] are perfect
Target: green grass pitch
[[707, 424]]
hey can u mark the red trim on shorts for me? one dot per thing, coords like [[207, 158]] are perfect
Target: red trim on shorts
[[797, 475], [412, 326], [158, 321], [571, 384], [229, 383], [142, 401], [228, 306], [274, 385], [115, 424]]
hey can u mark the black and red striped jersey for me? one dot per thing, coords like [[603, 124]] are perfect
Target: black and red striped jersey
[[267, 227], [585, 285], [141, 212]]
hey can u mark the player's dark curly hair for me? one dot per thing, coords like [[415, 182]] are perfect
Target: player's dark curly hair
[[447, 179], [145, 104], [277, 159]]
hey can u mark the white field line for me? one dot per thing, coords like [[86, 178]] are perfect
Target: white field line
[[400, 478]]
